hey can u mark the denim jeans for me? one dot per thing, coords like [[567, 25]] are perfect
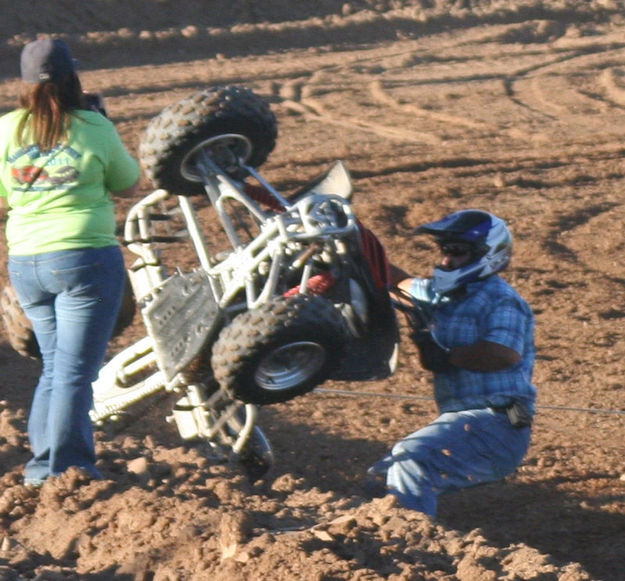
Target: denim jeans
[[72, 298], [457, 450]]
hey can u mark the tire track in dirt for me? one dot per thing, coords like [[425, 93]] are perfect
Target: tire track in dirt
[[611, 80], [572, 100], [296, 98], [384, 98], [314, 110], [550, 91]]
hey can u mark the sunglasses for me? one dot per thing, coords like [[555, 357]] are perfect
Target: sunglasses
[[456, 248]]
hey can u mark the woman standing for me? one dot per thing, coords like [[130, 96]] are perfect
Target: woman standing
[[59, 163]]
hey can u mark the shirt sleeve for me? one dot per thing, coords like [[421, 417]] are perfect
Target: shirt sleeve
[[122, 170], [4, 169], [506, 325]]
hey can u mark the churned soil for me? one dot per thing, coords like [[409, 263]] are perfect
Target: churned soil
[[512, 106]]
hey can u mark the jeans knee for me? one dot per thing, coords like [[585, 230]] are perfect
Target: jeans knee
[[410, 449], [410, 483], [399, 449]]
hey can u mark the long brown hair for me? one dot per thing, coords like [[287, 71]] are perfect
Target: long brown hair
[[49, 106]]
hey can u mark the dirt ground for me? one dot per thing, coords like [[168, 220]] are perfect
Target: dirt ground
[[512, 106]]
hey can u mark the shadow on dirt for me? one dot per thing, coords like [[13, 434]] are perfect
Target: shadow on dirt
[[146, 40], [17, 370], [47, 561], [505, 513]]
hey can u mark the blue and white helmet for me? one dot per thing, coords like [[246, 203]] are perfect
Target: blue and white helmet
[[489, 239]]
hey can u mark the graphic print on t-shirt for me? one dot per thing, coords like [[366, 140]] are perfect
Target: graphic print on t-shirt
[[34, 170]]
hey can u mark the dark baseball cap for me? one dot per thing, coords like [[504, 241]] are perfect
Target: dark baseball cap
[[46, 59]]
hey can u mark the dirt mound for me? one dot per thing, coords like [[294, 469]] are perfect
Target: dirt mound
[[511, 106], [169, 513]]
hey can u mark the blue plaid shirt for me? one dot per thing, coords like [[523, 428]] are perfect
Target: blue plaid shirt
[[491, 311]]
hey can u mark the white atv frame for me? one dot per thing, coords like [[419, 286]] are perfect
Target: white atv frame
[[292, 301]]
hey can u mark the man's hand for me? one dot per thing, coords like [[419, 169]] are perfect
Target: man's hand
[[433, 357]]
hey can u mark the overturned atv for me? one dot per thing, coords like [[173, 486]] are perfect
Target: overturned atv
[[248, 297]]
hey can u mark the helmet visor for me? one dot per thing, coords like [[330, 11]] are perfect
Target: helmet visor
[[456, 248]]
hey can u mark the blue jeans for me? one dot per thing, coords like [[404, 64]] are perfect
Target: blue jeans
[[72, 298], [457, 450]]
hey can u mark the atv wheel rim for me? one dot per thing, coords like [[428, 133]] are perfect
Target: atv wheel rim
[[290, 365], [226, 151]]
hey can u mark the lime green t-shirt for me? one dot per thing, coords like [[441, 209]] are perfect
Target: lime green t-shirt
[[60, 199]]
